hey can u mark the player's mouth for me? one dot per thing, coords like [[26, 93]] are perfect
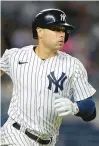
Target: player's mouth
[[61, 41]]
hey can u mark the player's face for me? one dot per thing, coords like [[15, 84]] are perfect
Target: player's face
[[53, 38]]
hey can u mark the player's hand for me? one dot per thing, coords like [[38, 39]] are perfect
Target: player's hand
[[65, 106]]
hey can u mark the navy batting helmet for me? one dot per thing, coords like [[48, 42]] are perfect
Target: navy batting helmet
[[48, 18]]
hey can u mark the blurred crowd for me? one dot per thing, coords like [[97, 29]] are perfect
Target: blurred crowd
[[83, 43]]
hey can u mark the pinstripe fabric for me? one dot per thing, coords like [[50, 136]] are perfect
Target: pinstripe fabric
[[32, 103]]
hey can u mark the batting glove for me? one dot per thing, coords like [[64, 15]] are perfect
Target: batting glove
[[65, 106]]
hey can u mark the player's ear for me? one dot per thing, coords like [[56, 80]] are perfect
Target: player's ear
[[39, 32]]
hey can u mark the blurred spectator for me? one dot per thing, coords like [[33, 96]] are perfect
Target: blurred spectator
[[21, 37], [93, 46], [93, 55]]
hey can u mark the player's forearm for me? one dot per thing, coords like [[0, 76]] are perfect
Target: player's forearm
[[87, 109]]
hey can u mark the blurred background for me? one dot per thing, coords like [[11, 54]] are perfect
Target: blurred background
[[83, 43]]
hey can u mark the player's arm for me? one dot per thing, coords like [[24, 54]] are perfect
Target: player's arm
[[87, 109], [83, 93]]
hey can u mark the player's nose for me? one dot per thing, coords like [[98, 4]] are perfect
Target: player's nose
[[61, 34]]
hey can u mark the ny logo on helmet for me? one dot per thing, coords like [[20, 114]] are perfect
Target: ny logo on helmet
[[58, 83], [63, 17]]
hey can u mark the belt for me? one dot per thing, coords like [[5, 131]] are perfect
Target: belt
[[32, 136]]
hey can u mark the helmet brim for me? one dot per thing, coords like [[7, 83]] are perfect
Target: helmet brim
[[66, 25]]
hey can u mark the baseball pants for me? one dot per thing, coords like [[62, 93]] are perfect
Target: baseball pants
[[10, 136]]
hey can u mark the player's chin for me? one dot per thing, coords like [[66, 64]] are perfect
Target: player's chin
[[59, 46]]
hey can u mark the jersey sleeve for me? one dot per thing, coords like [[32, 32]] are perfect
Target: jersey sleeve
[[4, 62], [81, 88]]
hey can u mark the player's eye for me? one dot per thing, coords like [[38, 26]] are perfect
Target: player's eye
[[58, 29]]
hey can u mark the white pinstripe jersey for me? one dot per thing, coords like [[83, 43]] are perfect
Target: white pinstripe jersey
[[35, 81]]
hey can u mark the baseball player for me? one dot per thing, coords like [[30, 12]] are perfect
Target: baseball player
[[47, 85]]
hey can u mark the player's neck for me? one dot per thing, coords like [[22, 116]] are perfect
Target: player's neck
[[44, 53]]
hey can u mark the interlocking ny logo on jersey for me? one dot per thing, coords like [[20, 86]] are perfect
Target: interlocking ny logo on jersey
[[58, 83]]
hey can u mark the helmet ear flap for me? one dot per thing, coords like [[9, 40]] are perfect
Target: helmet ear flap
[[66, 36], [34, 32]]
